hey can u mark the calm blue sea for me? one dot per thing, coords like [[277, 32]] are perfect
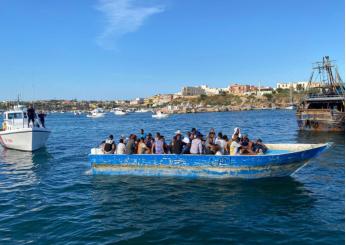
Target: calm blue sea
[[49, 197]]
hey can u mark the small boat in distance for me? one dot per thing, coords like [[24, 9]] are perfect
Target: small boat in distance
[[159, 115], [96, 113], [119, 112], [77, 113], [16, 134], [291, 107], [280, 160], [142, 111]]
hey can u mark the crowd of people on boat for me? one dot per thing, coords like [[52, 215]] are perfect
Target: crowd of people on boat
[[193, 142]]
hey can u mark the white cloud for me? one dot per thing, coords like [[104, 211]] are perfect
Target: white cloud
[[122, 16]]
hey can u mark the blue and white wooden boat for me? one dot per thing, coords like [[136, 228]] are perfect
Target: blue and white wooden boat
[[280, 160]]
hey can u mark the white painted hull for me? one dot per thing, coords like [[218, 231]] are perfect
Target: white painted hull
[[120, 113], [160, 116], [98, 115], [25, 139]]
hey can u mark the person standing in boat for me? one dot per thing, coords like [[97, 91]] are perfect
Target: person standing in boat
[[109, 146], [142, 135], [41, 116], [31, 115]]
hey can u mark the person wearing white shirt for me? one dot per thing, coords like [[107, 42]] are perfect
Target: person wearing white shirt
[[196, 145], [121, 147], [221, 143]]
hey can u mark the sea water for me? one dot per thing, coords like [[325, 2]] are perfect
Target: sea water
[[50, 197]]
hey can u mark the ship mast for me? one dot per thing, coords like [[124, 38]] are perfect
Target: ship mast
[[328, 83]]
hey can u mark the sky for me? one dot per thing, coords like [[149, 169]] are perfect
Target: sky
[[122, 49]]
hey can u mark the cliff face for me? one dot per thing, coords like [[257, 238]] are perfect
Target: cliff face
[[236, 101]]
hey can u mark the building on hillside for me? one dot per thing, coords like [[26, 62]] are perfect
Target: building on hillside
[[192, 91], [210, 91], [159, 99], [122, 102], [240, 89], [264, 90], [297, 86], [164, 98], [137, 101]]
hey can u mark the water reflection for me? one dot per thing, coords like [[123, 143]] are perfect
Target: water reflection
[[20, 167], [338, 138], [134, 204]]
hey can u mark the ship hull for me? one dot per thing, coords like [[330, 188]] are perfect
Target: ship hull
[[321, 120]]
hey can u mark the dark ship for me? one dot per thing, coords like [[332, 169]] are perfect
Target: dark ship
[[323, 107]]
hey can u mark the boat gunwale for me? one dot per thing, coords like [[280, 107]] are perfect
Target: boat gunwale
[[321, 145]]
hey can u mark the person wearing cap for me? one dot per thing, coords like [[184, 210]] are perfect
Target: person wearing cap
[[186, 143], [196, 145], [178, 132], [109, 145]]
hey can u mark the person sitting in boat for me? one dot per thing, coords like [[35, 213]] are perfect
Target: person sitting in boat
[[196, 145], [165, 146], [176, 146], [246, 145], [41, 116], [158, 146], [237, 133], [149, 141], [210, 146], [142, 148], [235, 146], [259, 148], [109, 145], [31, 115], [186, 143], [226, 150], [131, 145], [121, 147], [221, 143]]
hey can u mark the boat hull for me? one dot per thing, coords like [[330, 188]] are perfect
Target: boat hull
[[259, 166], [321, 120], [26, 139]]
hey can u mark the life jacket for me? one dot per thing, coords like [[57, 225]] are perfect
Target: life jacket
[[108, 145]]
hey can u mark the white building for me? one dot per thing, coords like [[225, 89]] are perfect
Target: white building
[[137, 101], [297, 86], [264, 90], [203, 89], [210, 91]]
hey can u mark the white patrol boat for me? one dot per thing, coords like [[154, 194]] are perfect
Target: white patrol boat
[[17, 134]]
